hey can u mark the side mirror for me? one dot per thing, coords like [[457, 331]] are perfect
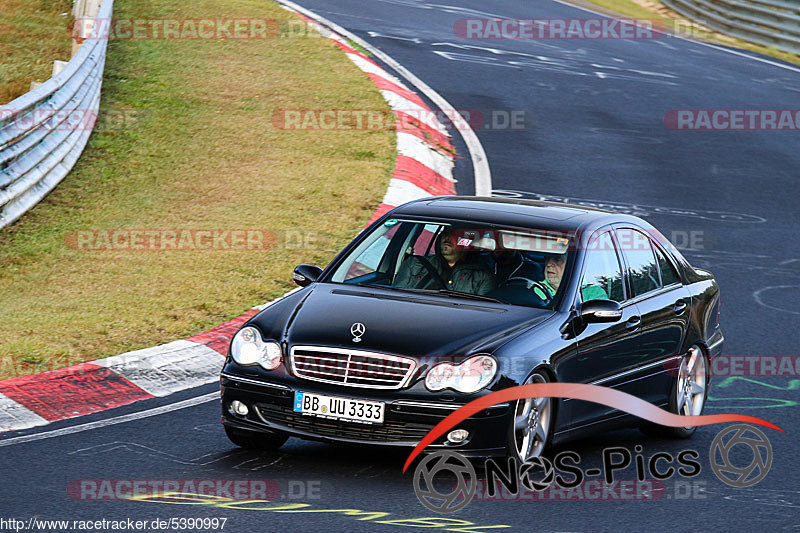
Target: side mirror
[[306, 274], [595, 311]]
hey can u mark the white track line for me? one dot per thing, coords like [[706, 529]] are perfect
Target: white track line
[[112, 421], [401, 104], [480, 165], [370, 68]]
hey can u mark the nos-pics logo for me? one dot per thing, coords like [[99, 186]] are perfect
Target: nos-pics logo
[[723, 457], [445, 496], [452, 499]]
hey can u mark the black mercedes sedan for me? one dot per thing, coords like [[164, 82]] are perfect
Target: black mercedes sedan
[[445, 299]]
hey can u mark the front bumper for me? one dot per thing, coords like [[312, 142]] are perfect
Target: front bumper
[[406, 422]]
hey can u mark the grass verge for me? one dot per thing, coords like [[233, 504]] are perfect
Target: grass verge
[[186, 142], [678, 24], [33, 33]]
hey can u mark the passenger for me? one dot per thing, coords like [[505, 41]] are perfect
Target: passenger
[[510, 264], [554, 271], [453, 264]]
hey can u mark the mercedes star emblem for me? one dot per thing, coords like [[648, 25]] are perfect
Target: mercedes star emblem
[[357, 330]]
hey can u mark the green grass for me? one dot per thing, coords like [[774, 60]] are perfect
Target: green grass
[[652, 9], [358, 48], [186, 142], [33, 33]]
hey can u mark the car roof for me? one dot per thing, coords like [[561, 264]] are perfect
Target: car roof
[[513, 212]]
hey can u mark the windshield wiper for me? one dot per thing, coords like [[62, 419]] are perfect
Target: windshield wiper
[[469, 295], [453, 294]]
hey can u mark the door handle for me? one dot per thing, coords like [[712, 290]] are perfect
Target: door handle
[[633, 323], [679, 307]]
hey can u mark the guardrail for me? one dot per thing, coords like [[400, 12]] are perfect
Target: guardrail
[[44, 131], [774, 23]]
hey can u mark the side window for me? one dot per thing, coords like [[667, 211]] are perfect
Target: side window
[[668, 274], [369, 260], [602, 275], [638, 252]]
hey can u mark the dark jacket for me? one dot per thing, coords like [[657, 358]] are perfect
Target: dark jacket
[[517, 267], [464, 276]]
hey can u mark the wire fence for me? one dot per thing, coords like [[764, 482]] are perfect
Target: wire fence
[[773, 23]]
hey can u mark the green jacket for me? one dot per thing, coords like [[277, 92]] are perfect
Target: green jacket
[[588, 292]]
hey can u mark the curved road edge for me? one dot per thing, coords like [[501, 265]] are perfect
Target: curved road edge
[[480, 163], [424, 165]]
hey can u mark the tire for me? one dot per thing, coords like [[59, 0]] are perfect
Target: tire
[[687, 396], [531, 416], [256, 440]]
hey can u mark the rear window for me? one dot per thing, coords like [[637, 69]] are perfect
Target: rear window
[[642, 267], [668, 273]]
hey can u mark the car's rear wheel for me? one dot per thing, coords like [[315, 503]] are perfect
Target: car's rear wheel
[[256, 440], [688, 396], [532, 424]]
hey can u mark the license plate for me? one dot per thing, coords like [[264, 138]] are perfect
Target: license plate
[[338, 408]]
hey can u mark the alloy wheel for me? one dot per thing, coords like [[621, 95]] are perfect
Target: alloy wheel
[[532, 419], [691, 385]]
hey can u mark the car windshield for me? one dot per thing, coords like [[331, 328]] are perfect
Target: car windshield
[[527, 267]]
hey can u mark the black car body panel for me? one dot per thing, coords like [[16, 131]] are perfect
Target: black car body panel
[[635, 357]]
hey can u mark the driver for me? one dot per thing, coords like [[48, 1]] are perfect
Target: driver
[[452, 264], [554, 271]]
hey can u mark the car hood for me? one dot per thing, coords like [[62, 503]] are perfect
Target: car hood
[[395, 322]]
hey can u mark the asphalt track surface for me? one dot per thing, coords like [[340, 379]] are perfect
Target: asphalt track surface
[[594, 114]]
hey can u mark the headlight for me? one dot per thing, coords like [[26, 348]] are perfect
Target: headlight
[[248, 348], [470, 376]]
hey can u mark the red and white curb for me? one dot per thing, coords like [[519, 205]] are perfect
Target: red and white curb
[[36, 400], [424, 167]]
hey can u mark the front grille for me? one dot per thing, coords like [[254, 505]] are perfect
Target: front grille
[[389, 431], [351, 367]]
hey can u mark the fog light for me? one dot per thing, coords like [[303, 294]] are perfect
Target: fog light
[[458, 436], [239, 408]]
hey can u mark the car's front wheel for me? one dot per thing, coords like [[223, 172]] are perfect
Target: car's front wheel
[[256, 440], [532, 423]]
